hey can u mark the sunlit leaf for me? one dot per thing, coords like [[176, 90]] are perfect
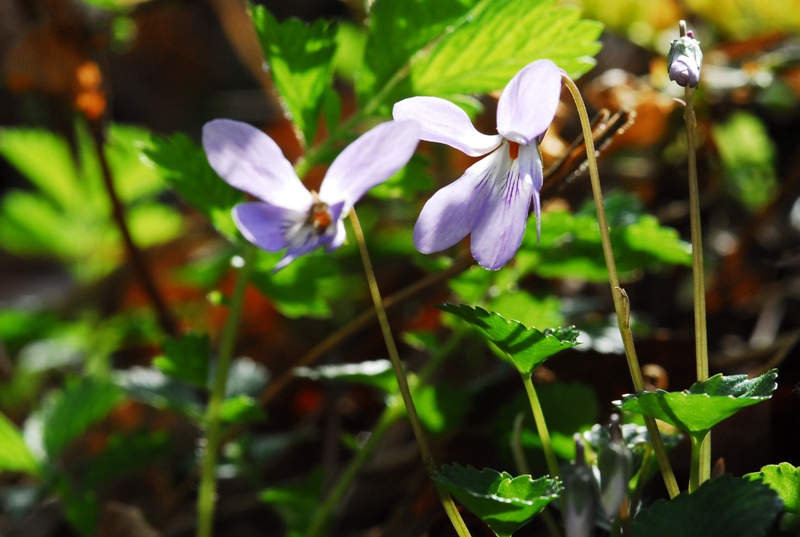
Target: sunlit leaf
[[748, 159], [784, 479], [503, 502], [154, 388], [246, 377], [300, 58], [705, 404], [15, 456], [241, 409], [526, 347], [500, 37], [68, 215], [722, 507], [571, 247], [308, 287], [398, 31], [376, 373]]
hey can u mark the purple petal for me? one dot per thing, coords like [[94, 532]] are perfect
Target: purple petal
[[303, 238], [443, 122], [251, 161], [453, 211], [528, 103], [498, 234], [266, 225], [369, 161], [530, 169]]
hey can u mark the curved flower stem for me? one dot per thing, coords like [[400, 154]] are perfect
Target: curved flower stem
[[621, 304], [391, 348], [208, 482], [541, 426]]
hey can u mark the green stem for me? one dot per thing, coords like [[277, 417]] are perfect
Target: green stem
[[695, 470], [621, 304], [208, 483], [541, 426], [394, 357], [698, 276]]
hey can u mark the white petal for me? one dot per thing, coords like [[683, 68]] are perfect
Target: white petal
[[251, 161], [528, 103], [369, 161], [498, 234], [452, 212], [443, 122]]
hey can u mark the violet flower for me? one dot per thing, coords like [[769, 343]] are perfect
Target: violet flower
[[685, 60], [288, 215], [491, 200]]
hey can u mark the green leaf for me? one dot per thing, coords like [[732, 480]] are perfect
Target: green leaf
[[748, 159], [125, 455], [183, 165], [398, 31], [784, 479], [297, 503], [307, 287], [441, 407], [300, 58], [500, 37], [152, 387], [571, 247], [67, 215], [526, 347], [705, 404], [406, 183], [503, 502], [15, 456], [186, 358], [723, 507], [241, 409], [68, 413], [376, 373]]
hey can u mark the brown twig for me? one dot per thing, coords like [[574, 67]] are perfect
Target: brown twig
[[165, 318]]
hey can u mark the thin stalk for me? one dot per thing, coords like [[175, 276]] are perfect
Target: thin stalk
[[165, 318], [621, 304], [405, 391], [541, 426], [208, 482], [698, 276]]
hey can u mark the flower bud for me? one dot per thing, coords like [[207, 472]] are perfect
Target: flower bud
[[615, 463], [685, 60], [580, 495]]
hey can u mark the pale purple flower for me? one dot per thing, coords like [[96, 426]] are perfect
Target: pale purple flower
[[491, 200], [288, 215], [685, 60]]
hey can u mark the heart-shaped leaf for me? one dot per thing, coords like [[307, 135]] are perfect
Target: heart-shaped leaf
[[503, 502], [705, 404], [724, 507], [784, 479], [526, 347]]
